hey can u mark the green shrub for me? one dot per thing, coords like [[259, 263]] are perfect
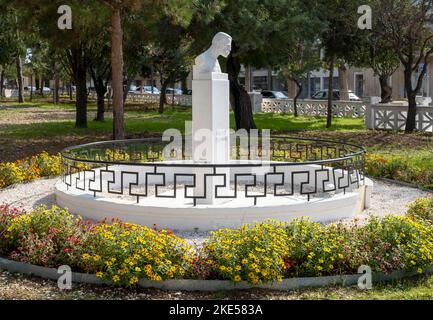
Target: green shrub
[[315, 249], [124, 253], [10, 173], [400, 168], [47, 237], [388, 244], [254, 253], [421, 208], [28, 169]]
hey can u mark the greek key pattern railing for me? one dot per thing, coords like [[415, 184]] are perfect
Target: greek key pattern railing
[[389, 117], [134, 169], [351, 109]]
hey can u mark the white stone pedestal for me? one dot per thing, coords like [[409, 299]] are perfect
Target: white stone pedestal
[[210, 129]]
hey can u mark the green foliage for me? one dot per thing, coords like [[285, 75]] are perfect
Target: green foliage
[[390, 243], [41, 165], [412, 168], [252, 253], [315, 249], [421, 209], [123, 253], [48, 237]]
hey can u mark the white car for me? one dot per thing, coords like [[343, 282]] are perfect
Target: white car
[[173, 91], [45, 90], [323, 95], [132, 88], [148, 89]]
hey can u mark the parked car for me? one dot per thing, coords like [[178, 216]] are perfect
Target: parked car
[[268, 94], [323, 95], [132, 88], [45, 90], [148, 89], [175, 91]]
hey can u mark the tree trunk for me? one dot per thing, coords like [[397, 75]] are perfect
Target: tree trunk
[[162, 96], [295, 99], [184, 85], [101, 90], [117, 74], [41, 87], [330, 92], [248, 78], [56, 86], [126, 91], [20, 79], [343, 80], [239, 98], [37, 82], [70, 91], [2, 79], [81, 98], [385, 89], [411, 97]]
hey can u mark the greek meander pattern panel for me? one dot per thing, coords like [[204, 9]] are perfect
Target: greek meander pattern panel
[[387, 117], [137, 97], [351, 109]]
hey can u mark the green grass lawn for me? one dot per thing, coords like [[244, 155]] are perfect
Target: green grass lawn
[[139, 122]]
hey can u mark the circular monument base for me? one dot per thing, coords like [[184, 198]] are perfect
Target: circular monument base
[[181, 214]]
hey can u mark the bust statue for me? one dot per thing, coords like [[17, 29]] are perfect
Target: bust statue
[[207, 62]]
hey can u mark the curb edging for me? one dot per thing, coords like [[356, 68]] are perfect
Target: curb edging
[[211, 285]]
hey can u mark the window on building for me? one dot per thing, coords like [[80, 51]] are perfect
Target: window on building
[[314, 85], [335, 83], [359, 85], [260, 83]]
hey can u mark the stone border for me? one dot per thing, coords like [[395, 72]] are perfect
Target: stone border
[[211, 285], [404, 184]]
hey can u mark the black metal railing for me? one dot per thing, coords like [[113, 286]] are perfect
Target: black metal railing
[[139, 168]]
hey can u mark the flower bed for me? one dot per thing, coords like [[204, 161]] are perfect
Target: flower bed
[[28, 169], [399, 168], [124, 253]]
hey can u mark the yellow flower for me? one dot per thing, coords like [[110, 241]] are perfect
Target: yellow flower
[[116, 278], [86, 256], [108, 263], [137, 269], [96, 258], [123, 244], [99, 274], [237, 278], [133, 280]]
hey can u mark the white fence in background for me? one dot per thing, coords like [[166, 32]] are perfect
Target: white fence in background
[[137, 97], [351, 109], [393, 117]]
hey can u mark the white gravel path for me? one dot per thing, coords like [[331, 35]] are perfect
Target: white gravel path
[[387, 198]]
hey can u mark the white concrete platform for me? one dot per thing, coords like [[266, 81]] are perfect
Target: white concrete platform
[[180, 213]]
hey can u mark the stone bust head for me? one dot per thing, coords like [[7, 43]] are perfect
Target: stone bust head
[[207, 62]]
